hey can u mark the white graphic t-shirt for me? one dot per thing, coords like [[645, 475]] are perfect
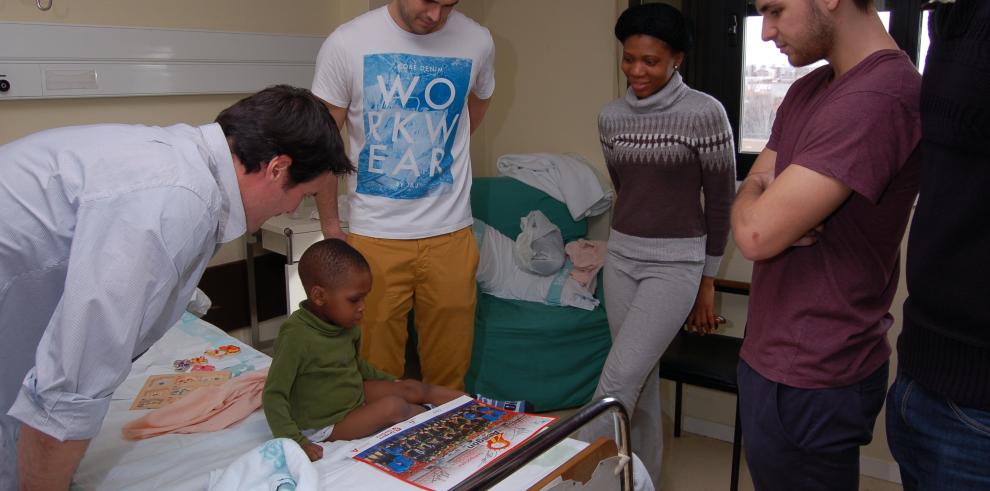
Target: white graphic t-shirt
[[407, 119]]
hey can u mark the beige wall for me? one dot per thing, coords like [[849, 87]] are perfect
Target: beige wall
[[306, 16], [554, 71], [24, 117], [555, 68]]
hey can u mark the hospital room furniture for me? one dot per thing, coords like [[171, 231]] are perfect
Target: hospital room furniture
[[556, 433], [548, 355], [288, 235], [707, 361], [186, 461]]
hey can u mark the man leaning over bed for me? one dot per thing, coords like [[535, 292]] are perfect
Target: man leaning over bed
[[105, 233]]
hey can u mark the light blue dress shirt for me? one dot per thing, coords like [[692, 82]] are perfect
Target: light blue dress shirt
[[105, 231]]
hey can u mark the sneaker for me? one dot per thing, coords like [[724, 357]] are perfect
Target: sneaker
[[519, 406]]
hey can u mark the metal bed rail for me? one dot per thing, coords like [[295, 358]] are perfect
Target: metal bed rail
[[553, 435]]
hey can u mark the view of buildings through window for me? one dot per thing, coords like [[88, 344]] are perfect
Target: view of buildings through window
[[767, 75], [923, 42]]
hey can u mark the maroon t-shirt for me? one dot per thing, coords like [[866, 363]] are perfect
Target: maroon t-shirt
[[818, 315]]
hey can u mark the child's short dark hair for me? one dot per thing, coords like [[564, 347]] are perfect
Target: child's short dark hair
[[326, 262]]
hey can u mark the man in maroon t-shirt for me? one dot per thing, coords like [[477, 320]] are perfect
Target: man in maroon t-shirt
[[822, 214]]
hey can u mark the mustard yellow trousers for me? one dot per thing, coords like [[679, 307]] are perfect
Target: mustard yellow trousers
[[436, 277]]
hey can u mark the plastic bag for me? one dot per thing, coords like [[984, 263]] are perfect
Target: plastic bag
[[539, 248]]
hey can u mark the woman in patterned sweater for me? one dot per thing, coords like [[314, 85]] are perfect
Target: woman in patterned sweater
[[666, 145]]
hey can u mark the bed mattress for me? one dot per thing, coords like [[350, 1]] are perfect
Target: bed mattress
[[185, 462]]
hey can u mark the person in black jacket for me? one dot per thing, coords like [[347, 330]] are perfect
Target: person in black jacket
[[938, 410]]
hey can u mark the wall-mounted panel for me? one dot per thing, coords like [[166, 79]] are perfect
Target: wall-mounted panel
[[57, 60]]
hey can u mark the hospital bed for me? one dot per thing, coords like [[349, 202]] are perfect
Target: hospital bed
[[186, 461]]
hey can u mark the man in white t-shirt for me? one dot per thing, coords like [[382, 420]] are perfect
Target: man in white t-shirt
[[412, 80]]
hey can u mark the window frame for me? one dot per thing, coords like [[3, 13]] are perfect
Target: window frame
[[718, 49]]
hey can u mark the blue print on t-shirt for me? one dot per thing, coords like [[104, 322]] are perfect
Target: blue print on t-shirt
[[412, 108]]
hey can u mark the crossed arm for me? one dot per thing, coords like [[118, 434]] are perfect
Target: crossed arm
[[772, 214]]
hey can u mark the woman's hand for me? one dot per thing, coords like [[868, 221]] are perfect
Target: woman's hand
[[702, 318]]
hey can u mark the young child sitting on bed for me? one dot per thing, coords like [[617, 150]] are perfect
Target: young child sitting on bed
[[318, 388]]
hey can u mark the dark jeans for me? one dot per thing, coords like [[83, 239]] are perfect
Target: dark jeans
[[937, 444], [807, 439]]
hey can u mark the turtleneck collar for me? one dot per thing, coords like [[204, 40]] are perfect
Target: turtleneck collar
[[666, 97], [314, 321]]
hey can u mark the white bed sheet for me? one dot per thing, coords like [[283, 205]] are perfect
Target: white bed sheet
[[184, 462]]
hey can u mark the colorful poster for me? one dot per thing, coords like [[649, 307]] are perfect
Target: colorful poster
[[412, 109], [444, 446]]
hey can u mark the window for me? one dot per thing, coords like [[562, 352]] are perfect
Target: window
[[766, 76], [924, 42], [727, 42]]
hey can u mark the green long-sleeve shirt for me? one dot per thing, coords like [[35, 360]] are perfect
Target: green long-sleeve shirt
[[316, 376]]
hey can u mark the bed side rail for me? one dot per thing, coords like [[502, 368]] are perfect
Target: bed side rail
[[554, 434]]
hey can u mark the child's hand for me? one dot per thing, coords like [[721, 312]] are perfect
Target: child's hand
[[313, 451]]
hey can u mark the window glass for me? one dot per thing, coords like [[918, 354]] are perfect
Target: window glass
[[766, 77], [923, 42]]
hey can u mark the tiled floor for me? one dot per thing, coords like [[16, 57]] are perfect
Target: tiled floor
[[696, 463]]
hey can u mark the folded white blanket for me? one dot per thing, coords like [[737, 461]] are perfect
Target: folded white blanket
[[567, 177], [277, 465]]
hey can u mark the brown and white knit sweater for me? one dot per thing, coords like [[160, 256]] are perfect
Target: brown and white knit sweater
[[662, 153]]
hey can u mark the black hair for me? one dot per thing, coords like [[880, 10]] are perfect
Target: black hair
[[864, 5], [658, 20], [285, 120], [328, 261]]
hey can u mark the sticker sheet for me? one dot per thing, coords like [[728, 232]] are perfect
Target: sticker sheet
[[162, 390]]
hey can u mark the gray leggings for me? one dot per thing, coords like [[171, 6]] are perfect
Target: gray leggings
[[647, 301]]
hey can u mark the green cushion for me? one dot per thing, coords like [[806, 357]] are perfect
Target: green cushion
[[549, 356], [502, 201]]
